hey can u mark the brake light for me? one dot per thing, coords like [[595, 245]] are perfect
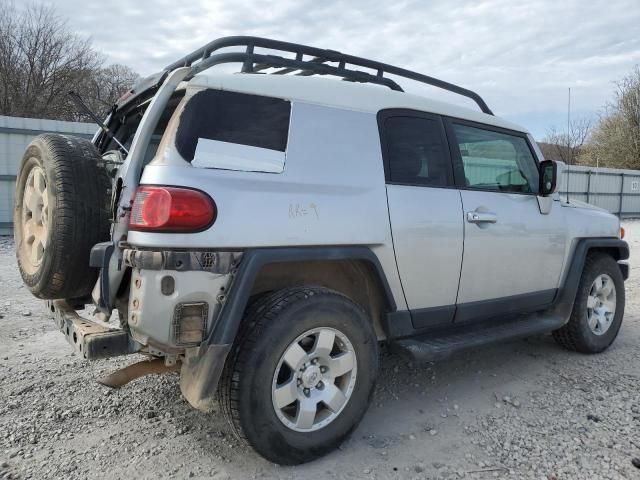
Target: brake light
[[171, 209]]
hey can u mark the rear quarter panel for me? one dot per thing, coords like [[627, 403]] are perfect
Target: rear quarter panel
[[331, 192]]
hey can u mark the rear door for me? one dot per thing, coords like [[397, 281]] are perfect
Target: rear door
[[425, 211], [513, 253]]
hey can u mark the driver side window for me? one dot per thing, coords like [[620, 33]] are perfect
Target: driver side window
[[496, 161]]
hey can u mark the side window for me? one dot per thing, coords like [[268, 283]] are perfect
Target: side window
[[416, 152], [233, 118], [496, 161]]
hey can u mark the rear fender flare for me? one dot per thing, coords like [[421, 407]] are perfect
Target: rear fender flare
[[230, 318]]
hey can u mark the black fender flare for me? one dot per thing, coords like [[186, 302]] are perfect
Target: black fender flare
[[567, 292], [230, 317]]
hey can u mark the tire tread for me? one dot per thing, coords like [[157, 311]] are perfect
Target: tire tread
[[258, 315], [570, 336], [81, 219]]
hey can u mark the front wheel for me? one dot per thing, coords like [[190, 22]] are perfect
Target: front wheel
[[598, 308], [301, 374]]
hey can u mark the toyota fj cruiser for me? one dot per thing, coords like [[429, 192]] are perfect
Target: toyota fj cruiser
[[262, 232]]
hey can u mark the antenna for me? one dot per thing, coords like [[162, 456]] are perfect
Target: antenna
[[569, 152]]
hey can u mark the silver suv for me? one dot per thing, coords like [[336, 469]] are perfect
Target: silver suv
[[262, 232]]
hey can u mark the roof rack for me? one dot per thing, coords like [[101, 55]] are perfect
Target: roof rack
[[252, 62]]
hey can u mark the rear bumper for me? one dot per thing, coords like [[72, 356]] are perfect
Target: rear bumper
[[90, 339], [176, 296]]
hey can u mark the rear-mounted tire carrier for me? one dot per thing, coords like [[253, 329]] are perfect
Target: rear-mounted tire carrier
[[61, 211]]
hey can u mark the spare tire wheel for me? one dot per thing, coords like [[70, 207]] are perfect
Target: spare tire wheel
[[61, 211]]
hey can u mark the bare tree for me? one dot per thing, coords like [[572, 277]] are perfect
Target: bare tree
[[616, 138], [101, 89], [41, 60], [566, 146]]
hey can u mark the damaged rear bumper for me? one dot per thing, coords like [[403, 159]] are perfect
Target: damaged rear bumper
[[92, 340]]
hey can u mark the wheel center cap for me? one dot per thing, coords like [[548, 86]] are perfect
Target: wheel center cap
[[311, 376]]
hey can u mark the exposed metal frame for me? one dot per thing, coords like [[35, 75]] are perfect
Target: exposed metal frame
[[252, 62]]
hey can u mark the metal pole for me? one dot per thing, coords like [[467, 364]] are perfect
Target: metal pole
[[568, 143], [621, 192]]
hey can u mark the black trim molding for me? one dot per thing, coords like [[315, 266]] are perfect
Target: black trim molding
[[552, 303], [432, 317], [253, 260], [499, 307]]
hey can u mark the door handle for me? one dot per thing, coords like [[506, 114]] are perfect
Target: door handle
[[481, 217]]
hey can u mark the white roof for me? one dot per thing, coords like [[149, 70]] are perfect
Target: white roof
[[338, 94]]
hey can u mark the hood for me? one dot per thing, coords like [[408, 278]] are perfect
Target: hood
[[580, 204]]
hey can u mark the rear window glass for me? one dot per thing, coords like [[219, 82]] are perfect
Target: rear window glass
[[232, 117]]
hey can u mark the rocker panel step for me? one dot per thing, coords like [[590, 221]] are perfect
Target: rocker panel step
[[443, 343]]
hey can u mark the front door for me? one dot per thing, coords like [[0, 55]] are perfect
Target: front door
[[513, 253]]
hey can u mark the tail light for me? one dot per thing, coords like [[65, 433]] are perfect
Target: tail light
[[171, 209]]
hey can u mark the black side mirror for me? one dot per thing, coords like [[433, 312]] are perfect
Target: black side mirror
[[548, 177]]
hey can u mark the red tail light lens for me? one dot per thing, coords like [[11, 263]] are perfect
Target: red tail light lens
[[171, 209]]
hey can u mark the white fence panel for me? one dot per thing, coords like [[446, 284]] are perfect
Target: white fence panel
[[615, 190], [15, 135]]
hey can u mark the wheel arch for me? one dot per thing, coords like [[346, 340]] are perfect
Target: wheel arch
[[354, 271], [617, 248]]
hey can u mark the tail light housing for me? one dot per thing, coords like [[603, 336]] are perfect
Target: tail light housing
[[171, 209]]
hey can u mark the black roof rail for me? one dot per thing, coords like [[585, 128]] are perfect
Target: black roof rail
[[252, 62]]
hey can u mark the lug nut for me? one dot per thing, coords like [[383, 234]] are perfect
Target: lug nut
[[323, 369], [307, 391], [320, 385]]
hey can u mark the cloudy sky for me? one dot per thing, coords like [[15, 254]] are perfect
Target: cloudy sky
[[520, 56]]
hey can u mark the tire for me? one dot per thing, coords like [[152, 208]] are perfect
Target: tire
[[61, 211], [271, 327], [593, 303]]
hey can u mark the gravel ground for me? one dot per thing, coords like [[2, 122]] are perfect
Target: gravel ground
[[526, 409]]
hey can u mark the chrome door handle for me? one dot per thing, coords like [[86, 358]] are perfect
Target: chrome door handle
[[481, 217]]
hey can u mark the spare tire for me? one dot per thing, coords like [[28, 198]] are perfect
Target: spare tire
[[61, 211]]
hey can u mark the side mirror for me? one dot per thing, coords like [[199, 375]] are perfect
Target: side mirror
[[548, 177]]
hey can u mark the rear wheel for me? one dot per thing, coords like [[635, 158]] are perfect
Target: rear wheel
[[61, 211], [598, 308], [301, 374]]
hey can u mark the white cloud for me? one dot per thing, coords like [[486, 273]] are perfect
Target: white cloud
[[521, 57]]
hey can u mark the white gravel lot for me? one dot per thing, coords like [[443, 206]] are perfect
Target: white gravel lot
[[527, 409]]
